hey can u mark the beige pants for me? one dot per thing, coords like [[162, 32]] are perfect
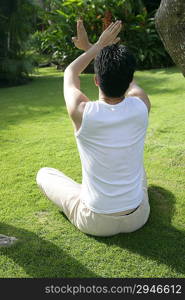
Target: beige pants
[[64, 192]]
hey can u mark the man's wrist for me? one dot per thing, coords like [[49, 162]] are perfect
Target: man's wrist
[[98, 45], [88, 47], [94, 48]]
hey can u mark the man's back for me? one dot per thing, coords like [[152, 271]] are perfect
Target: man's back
[[111, 144]]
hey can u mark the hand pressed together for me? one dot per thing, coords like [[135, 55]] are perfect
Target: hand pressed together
[[108, 37]]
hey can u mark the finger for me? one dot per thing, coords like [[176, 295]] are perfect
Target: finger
[[79, 23], [116, 40], [117, 27], [109, 27], [80, 27], [80, 20], [74, 39], [115, 33], [112, 26]]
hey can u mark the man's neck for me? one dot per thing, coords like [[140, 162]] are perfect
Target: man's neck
[[110, 100]]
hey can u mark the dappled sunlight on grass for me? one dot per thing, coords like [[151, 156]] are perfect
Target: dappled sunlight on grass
[[47, 72], [36, 132]]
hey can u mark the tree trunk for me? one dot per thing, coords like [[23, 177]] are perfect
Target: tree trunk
[[170, 24]]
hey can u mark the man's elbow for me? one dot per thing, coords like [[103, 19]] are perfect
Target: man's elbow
[[67, 70], [148, 104]]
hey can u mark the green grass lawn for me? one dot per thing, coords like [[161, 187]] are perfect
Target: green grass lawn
[[36, 132]]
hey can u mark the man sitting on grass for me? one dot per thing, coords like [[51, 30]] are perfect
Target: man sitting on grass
[[110, 136]]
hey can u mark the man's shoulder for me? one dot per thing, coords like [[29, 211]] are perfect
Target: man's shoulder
[[137, 100]]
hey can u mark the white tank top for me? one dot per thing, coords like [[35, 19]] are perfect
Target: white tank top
[[111, 145]]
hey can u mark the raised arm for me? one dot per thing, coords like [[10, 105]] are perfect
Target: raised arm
[[135, 91], [75, 99]]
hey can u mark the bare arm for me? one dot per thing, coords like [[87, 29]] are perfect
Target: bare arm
[[75, 99], [135, 91]]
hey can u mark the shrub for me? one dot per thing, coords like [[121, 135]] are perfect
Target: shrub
[[59, 22], [143, 40], [16, 23]]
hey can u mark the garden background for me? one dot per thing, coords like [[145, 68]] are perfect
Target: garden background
[[36, 46]]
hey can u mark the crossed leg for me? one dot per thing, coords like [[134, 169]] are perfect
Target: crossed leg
[[59, 188]]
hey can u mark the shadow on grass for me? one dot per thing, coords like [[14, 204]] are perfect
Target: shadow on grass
[[170, 70], [156, 84], [42, 97], [39, 257], [158, 239], [153, 86]]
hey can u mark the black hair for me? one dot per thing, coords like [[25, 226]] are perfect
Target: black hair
[[114, 66]]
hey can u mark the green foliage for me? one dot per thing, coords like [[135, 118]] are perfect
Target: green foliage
[[17, 19], [59, 22], [143, 40]]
